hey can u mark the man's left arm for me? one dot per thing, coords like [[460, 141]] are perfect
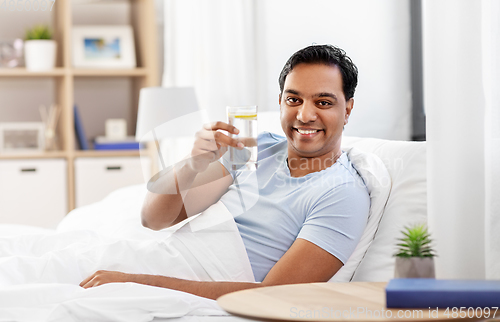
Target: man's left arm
[[304, 262]]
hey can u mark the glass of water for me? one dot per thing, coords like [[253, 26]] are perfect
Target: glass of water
[[244, 118]]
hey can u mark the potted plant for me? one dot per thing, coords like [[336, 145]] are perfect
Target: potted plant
[[39, 49], [415, 256]]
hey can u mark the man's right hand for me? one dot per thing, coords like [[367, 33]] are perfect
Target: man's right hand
[[211, 144], [195, 184]]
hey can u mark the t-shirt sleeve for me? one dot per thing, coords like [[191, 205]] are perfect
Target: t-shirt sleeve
[[338, 220]]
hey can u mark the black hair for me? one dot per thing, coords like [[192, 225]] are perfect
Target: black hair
[[328, 55]]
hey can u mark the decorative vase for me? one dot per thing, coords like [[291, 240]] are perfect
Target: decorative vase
[[414, 267], [40, 54]]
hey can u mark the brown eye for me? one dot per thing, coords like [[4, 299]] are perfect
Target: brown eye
[[324, 103], [292, 100]]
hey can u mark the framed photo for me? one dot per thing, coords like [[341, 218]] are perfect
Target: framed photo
[[103, 47], [22, 137]]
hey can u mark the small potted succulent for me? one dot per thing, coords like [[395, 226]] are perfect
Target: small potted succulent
[[415, 256], [39, 49]]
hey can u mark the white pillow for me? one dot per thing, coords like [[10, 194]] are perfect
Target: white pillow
[[407, 204], [120, 208], [378, 181]]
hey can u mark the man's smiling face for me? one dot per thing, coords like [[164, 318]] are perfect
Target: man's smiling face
[[314, 110]]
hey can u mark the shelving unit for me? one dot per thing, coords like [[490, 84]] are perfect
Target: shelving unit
[[146, 74], [22, 72]]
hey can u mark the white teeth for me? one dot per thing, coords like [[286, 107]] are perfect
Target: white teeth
[[306, 131]]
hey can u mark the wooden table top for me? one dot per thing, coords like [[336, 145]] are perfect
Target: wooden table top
[[355, 301]]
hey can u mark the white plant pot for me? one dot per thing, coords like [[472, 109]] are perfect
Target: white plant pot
[[414, 267], [40, 54]]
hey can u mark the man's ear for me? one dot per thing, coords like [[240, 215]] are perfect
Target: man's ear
[[348, 109]]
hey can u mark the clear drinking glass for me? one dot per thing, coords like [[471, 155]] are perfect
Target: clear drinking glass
[[244, 118]]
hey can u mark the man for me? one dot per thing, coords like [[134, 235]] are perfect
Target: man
[[312, 206]]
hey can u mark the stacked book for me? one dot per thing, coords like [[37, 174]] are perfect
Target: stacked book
[[103, 142], [127, 143]]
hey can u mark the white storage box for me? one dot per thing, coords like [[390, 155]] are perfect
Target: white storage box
[[95, 178], [33, 192]]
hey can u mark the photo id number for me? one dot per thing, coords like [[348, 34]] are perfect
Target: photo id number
[[27, 5], [471, 312]]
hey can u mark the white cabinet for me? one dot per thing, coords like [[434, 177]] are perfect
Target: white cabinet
[[33, 192], [95, 178]]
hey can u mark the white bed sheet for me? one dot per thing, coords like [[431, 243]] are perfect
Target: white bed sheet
[[40, 269]]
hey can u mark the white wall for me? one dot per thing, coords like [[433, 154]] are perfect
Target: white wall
[[375, 34]]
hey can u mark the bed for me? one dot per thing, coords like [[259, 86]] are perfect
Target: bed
[[394, 170]]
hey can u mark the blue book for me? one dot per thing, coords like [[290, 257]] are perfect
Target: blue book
[[127, 143], [117, 146], [429, 292], [80, 133]]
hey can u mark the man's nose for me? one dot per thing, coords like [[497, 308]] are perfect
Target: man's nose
[[307, 113]]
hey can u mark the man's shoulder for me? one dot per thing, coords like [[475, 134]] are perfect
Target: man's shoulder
[[266, 139], [269, 144], [341, 178]]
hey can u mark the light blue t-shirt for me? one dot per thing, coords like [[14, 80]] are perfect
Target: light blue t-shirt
[[271, 208]]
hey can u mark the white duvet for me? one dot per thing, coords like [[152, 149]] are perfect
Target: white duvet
[[40, 270]]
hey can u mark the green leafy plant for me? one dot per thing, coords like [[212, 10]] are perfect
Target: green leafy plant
[[38, 32], [416, 243]]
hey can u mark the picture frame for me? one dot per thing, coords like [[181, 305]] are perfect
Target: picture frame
[[22, 137], [103, 47]]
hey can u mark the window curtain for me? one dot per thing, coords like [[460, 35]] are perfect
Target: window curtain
[[461, 82], [210, 45]]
